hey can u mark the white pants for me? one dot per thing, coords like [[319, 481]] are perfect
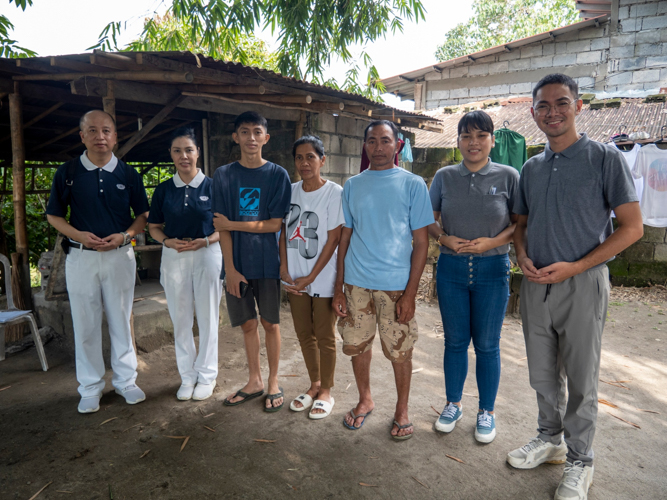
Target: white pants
[[96, 280], [191, 282]]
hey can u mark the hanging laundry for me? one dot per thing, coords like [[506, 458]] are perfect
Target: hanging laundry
[[651, 166], [510, 148], [406, 152], [630, 159]]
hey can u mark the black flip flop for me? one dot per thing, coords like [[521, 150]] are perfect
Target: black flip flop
[[355, 417], [244, 395], [400, 427], [272, 397]]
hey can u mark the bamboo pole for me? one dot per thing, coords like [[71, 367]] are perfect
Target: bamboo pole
[[226, 89], [18, 192], [160, 76]]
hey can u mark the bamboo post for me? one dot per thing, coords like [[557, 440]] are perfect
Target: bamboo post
[[18, 192]]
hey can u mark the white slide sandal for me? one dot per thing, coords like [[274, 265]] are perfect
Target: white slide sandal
[[304, 399], [321, 405]]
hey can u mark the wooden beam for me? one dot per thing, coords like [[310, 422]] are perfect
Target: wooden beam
[[36, 119], [108, 101], [159, 76], [18, 192], [57, 138], [295, 99], [145, 130], [81, 67], [114, 61], [225, 89]]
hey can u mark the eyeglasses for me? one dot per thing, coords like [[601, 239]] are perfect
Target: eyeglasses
[[561, 107]]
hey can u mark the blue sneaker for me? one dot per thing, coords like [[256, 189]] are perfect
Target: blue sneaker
[[485, 432], [448, 418]]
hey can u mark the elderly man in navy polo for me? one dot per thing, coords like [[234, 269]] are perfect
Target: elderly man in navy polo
[[100, 189]]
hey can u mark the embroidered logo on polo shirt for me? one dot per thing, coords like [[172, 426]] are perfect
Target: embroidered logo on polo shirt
[[249, 201], [120, 186], [203, 198]]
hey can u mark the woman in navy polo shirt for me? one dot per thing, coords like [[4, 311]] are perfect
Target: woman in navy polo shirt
[[181, 219], [474, 200]]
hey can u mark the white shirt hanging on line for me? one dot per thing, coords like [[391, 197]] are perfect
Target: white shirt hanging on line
[[651, 166], [630, 159]]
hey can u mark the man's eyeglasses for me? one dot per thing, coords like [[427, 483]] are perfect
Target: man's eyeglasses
[[561, 107]]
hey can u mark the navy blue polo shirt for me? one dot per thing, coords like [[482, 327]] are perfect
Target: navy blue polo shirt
[[100, 198], [184, 209], [253, 194]]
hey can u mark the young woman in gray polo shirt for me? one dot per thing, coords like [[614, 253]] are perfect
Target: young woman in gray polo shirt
[[474, 200]]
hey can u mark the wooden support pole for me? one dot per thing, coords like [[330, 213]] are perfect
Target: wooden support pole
[[145, 130], [158, 76], [204, 135], [108, 101], [18, 192]]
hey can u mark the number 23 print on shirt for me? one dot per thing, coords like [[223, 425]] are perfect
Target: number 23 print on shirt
[[302, 231]]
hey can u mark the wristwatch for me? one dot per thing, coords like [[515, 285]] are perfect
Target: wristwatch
[[126, 238], [438, 240]]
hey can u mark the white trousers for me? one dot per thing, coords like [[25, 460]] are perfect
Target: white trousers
[[97, 280], [191, 282]]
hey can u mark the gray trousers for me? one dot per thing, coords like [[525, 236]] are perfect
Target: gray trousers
[[562, 326]]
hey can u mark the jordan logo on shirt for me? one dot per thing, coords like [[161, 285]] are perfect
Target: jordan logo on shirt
[[302, 228], [249, 201], [297, 233]]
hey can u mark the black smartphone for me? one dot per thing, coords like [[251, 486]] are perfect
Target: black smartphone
[[243, 288]]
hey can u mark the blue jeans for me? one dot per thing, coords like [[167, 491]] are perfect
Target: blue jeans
[[473, 292]]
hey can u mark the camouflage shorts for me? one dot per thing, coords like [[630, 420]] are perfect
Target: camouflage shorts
[[368, 308]]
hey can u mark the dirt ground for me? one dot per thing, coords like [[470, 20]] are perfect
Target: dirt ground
[[128, 452]]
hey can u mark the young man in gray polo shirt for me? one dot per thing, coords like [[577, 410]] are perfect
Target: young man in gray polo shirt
[[563, 239]]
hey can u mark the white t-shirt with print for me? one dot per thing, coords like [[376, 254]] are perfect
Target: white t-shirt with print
[[651, 165], [311, 215]]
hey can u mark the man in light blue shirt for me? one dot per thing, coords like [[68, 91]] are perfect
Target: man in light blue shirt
[[381, 257]]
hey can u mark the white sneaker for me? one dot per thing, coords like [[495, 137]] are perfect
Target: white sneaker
[[576, 480], [203, 391], [185, 392], [537, 452], [89, 404], [448, 418], [132, 394]]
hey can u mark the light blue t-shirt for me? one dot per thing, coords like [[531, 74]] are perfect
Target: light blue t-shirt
[[383, 207]]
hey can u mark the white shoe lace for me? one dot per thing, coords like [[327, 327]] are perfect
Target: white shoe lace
[[533, 444], [484, 419], [450, 410], [573, 473]]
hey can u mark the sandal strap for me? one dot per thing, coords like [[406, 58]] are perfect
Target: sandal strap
[[401, 427]]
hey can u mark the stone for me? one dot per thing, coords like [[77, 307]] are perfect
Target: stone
[[325, 122], [334, 144], [618, 267], [479, 91], [579, 46], [531, 51], [561, 48], [654, 234], [458, 72], [458, 93], [346, 126], [648, 49], [548, 49], [589, 57], [660, 253], [521, 88], [649, 23], [620, 78], [519, 64], [644, 10], [622, 40], [662, 7], [648, 36], [541, 62], [565, 59], [499, 89], [656, 272], [648, 75], [437, 94], [499, 67], [630, 25], [600, 43], [448, 102], [652, 62], [338, 164], [632, 63], [591, 33], [585, 82], [623, 13], [622, 52], [434, 75], [508, 56], [326, 142], [639, 252], [351, 147]]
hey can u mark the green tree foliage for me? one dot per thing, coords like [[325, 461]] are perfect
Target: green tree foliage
[[501, 21], [310, 32], [8, 46], [167, 33]]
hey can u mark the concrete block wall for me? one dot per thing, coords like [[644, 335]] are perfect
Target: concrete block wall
[[643, 263], [343, 138], [633, 58]]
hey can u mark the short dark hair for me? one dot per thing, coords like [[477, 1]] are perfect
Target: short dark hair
[[252, 118], [188, 132], [560, 79], [475, 120], [82, 120], [313, 140], [378, 123]]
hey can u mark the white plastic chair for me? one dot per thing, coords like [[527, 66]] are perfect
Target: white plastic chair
[[13, 316]]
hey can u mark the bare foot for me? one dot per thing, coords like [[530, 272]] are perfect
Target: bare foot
[[324, 395], [312, 392], [249, 388], [402, 418], [274, 389], [360, 409]]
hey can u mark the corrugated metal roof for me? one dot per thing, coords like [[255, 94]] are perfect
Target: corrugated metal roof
[[599, 124], [403, 84]]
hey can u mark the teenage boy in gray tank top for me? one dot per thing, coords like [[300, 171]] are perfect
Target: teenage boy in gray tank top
[[563, 239]]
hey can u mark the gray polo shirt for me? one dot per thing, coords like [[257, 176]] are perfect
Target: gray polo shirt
[[568, 198], [474, 204]]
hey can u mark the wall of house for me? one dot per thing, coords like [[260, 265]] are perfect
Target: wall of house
[[633, 58]]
